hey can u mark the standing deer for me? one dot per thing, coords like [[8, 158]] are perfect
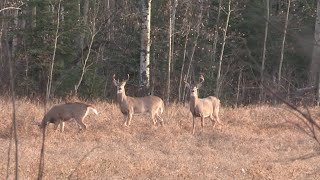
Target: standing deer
[[203, 107], [137, 105], [58, 114]]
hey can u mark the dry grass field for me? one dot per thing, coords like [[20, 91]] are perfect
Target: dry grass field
[[257, 142]]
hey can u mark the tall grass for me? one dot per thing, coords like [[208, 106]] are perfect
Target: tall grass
[[256, 142]]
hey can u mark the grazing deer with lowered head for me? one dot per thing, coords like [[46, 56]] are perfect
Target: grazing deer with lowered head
[[58, 114], [203, 107], [138, 105]]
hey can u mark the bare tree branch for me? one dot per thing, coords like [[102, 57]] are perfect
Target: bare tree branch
[[8, 8]]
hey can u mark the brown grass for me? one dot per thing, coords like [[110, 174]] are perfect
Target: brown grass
[[257, 142]]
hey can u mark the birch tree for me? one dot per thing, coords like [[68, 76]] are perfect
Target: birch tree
[[225, 29], [264, 50], [216, 34], [315, 63], [144, 75], [186, 35], [283, 43], [54, 52], [195, 42], [171, 42], [93, 32]]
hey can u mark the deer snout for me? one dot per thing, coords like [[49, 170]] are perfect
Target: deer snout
[[119, 90]]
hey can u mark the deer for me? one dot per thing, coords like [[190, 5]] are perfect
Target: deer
[[58, 114], [130, 106], [202, 107]]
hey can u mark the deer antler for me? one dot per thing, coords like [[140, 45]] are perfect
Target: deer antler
[[185, 81], [127, 78], [201, 80], [115, 82]]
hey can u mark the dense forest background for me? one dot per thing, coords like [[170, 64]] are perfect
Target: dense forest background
[[75, 46]]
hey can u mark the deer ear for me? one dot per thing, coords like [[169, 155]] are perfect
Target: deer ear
[[115, 82], [188, 85], [185, 81]]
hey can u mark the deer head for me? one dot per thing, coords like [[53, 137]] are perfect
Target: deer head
[[194, 88], [120, 86]]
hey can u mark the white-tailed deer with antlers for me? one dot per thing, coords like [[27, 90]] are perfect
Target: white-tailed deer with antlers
[[58, 114], [137, 105], [203, 107]]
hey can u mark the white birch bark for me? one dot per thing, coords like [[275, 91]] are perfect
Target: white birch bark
[[171, 44], [315, 63], [216, 34], [218, 82], [264, 50], [54, 53], [93, 32], [283, 43], [145, 45]]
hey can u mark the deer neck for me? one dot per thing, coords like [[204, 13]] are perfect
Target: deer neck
[[193, 100], [121, 97]]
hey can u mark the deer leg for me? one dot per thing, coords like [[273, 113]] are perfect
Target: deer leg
[[80, 122], [62, 126], [129, 118], [202, 122], [193, 125], [153, 118], [125, 117], [159, 119], [56, 124], [216, 114], [218, 119], [213, 121]]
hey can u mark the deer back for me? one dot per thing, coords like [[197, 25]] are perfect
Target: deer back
[[65, 112], [144, 104]]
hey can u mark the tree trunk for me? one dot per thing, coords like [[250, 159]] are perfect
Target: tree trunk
[[218, 83], [195, 43], [92, 27], [12, 89], [315, 63], [318, 89], [144, 79], [183, 65], [15, 37], [216, 36], [283, 43], [239, 87], [153, 67], [85, 22], [54, 53], [34, 17], [173, 22], [171, 43], [264, 51]]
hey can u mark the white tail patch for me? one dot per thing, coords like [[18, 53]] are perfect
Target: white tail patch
[[93, 110]]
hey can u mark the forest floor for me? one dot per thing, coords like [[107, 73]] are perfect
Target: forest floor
[[255, 142]]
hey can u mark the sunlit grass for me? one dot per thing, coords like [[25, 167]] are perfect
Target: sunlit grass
[[255, 142]]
